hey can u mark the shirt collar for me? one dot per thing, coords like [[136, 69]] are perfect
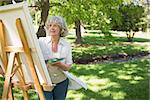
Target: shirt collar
[[49, 40]]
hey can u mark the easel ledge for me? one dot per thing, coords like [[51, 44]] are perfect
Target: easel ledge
[[31, 86]]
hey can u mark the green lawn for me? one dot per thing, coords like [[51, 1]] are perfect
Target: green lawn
[[115, 81], [112, 81], [95, 45]]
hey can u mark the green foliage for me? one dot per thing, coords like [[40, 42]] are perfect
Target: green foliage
[[2, 3], [131, 17], [104, 15], [95, 14], [35, 11], [70, 9]]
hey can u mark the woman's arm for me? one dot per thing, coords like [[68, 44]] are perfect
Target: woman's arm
[[68, 60], [63, 66]]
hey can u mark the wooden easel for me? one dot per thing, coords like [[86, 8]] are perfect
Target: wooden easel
[[12, 64], [4, 54]]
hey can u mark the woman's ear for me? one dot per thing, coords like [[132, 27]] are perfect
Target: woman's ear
[[62, 31]]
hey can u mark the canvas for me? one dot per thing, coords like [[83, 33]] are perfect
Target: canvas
[[8, 15]]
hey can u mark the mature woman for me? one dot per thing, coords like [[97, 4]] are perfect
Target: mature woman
[[54, 46]]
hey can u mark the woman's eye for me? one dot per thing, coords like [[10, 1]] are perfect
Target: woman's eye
[[54, 25], [48, 26]]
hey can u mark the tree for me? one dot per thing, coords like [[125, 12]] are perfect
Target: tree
[[43, 7], [131, 17], [145, 23], [72, 11], [95, 14], [104, 14]]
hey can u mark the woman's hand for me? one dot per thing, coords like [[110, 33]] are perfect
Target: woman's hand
[[61, 65], [57, 63]]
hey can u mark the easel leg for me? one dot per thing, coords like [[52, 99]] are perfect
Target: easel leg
[[21, 77], [3, 44], [8, 76], [10, 94], [29, 58], [3, 53]]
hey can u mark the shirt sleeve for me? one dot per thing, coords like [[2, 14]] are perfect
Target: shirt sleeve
[[69, 55]]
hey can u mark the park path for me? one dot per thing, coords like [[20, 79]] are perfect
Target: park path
[[144, 35]]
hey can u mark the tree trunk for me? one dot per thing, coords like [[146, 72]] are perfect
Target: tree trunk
[[44, 14], [78, 32], [130, 36]]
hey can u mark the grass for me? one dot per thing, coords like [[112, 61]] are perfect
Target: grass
[[95, 45], [113, 81], [116, 81]]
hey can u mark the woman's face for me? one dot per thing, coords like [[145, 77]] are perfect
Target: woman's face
[[53, 29]]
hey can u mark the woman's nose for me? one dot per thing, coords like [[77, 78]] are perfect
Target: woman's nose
[[52, 27]]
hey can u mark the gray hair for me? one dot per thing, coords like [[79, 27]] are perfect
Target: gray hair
[[61, 22]]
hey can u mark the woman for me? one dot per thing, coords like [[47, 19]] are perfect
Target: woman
[[54, 46]]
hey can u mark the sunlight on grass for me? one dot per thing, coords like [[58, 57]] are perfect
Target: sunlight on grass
[[130, 66], [138, 78], [133, 82], [110, 85], [118, 95], [96, 84], [115, 95], [76, 95], [124, 77], [106, 93], [116, 81]]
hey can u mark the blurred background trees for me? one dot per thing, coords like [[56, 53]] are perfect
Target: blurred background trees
[[104, 15]]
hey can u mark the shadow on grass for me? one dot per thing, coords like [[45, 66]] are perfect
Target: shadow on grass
[[89, 54], [99, 40], [117, 81], [123, 39]]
